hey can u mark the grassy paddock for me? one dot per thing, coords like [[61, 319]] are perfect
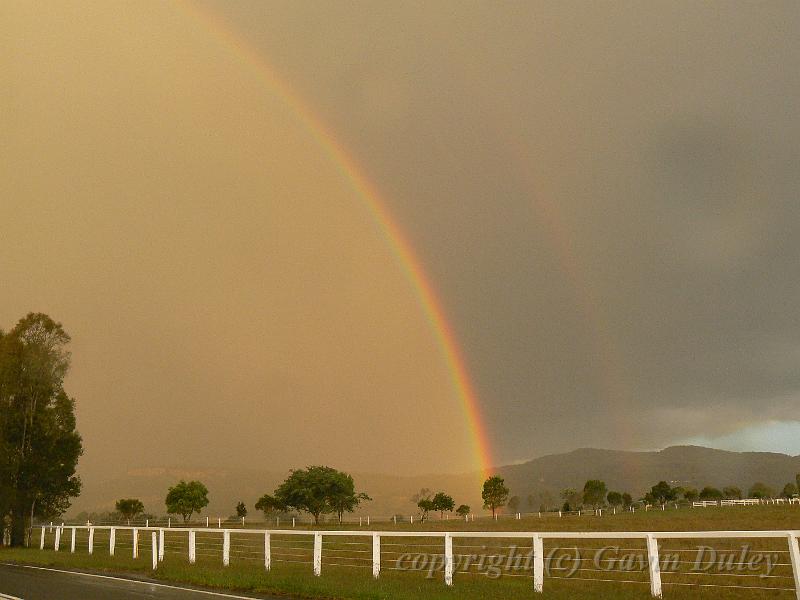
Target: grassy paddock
[[346, 561]]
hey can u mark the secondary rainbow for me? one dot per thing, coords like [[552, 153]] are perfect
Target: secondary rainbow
[[407, 259]]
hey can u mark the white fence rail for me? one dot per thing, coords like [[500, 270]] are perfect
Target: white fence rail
[[765, 560]]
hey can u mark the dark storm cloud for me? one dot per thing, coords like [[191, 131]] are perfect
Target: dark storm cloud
[[665, 140]]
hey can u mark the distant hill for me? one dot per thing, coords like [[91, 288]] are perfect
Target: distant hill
[[625, 471], [636, 472]]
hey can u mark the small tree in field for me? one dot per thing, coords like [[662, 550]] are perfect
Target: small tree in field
[[731, 492], [318, 490], [691, 495], [442, 502], [425, 505], [241, 510], [129, 508], [463, 510], [789, 490], [513, 504], [184, 499], [594, 491], [661, 493], [614, 499], [268, 505], [761, 491], [494, 494], [710, 493]]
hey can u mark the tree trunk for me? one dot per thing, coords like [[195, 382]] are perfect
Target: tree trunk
[[18, 525]]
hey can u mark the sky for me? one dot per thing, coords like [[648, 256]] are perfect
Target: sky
[[604, 198]]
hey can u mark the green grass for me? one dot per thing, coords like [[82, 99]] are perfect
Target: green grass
[[246, 572]]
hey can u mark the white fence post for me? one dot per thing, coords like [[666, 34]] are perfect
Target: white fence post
[[112, 540], [317, 553], [161, 545], [41, 540], [448, 559], [794, 554], [91, 540], [154, 548], [538, 564], [192, 554], [226, 547], [135, 533], [654, 566], [57, 542], [376, 555], [267, 552], [72, 541]]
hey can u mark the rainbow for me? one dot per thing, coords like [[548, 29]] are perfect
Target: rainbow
[[397, 241]]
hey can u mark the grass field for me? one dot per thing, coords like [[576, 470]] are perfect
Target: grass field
[[354, 581]]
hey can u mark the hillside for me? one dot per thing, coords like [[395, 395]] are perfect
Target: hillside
[[634, 472]]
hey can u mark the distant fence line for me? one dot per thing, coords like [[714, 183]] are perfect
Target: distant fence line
[[642, 561], [368, 520]]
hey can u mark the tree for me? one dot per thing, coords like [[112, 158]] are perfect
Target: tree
[[614, 499], [513, 504], [789, 490], [594, 491], [627, 500], [494, 493], [129, 508], [761, 491], [710, 493], [343, 496], [319, 490], [268, 505], [241, 510], [572, 499], [184, 499], [39, 446], [442, 502], [731, 492], [691, 494], [425, 505], [463, 510], [661, 493]]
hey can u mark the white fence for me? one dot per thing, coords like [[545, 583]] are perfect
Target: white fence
[[765, 560], [746, 502]]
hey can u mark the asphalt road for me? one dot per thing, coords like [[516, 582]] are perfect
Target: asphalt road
[[19, 582]]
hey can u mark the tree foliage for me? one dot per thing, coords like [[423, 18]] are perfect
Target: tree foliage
[[241, 510], [463, 510], [710, 493], [269, 504], [185, 499], [39, 444], [761, 490], [731, 492], [614, 499], [425, 505], [594, 492], [318, 490], [494, 493], [128, 508], [443, 503], [661, 493]]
